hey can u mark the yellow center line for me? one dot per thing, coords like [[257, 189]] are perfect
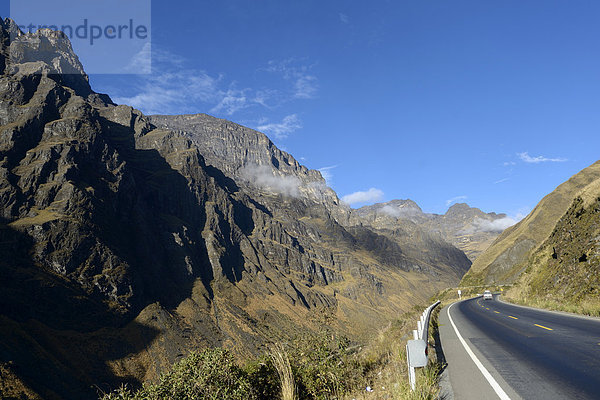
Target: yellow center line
[[487, 308], [496, 312], [543, 327], [510, 316]]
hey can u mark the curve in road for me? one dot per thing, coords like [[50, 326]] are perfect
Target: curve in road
[[528, 353]]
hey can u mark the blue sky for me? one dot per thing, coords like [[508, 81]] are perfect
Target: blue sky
[[491, 103]]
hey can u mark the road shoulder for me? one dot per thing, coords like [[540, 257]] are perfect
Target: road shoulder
[[465, 378]]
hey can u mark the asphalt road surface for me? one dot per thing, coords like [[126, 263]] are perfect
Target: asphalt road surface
[[498, 350]]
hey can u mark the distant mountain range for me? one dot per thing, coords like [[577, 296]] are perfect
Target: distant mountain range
[[127, 241], [469, 229]]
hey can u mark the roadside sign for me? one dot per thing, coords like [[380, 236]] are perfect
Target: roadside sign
[[417, 353]]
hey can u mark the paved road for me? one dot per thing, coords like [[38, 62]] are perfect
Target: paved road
[[525, 353]]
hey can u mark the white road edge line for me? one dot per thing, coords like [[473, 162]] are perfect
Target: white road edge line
[[501, 393]]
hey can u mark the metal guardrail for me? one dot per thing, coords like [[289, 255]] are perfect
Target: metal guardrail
[[416, 349]]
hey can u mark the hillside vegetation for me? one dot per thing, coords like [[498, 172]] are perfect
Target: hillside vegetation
[[564, 272], [506, 258]]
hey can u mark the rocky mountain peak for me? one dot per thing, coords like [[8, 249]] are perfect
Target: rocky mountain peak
[[44, 52], [460, 208]]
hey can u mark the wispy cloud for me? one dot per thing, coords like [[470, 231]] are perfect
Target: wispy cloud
[[369, 196], [266, 178], [344, 18], [232, 101], [175, 88], [401, 212], [327, 174], [501, 181], [497, 225], [282, 129], [306, 87], [304, 82], [525, 157], [455, 200]]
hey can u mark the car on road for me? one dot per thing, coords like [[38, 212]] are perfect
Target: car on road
[[487, 295]]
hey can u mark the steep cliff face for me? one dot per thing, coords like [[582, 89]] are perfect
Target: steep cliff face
[[252, 160], [506, 258], [121, 248], [467, 228]]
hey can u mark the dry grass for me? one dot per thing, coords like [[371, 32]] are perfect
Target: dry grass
[[284, 370], [389, 377], [589, 306]]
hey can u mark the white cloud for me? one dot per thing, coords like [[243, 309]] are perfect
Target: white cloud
[[326, 173], [305, 84], [344, 18], [164, 92], [400, 212], [232, 101], [368, 196], [455, 200], [306, 87], [509, 163], [282, 129], [539, 159], [497, 225], [266, 178], [501, 181], [141, 62], [174, 88]]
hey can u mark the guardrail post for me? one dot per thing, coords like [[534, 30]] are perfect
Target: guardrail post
[[412, 378]]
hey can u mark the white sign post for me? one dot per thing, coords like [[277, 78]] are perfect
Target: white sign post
[[459, 294]]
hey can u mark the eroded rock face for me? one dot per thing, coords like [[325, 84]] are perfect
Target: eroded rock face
[[124, 245], [253, 161]]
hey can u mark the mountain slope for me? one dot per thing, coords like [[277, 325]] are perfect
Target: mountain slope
[[122, 249], [565, 270], [505, 259]]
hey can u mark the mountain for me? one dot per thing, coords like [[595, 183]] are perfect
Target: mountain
[[552, 223], [261, 170], [128, 241], [469, 229]]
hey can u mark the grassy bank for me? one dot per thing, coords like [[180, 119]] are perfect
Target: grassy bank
[[586, 306], [320, 366]]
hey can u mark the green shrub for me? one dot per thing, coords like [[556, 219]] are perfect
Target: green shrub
[[211, 374], [326, 366], [263, 378]]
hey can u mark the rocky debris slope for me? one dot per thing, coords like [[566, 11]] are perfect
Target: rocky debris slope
[[505, 259], [122, 249], [467, 228]]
